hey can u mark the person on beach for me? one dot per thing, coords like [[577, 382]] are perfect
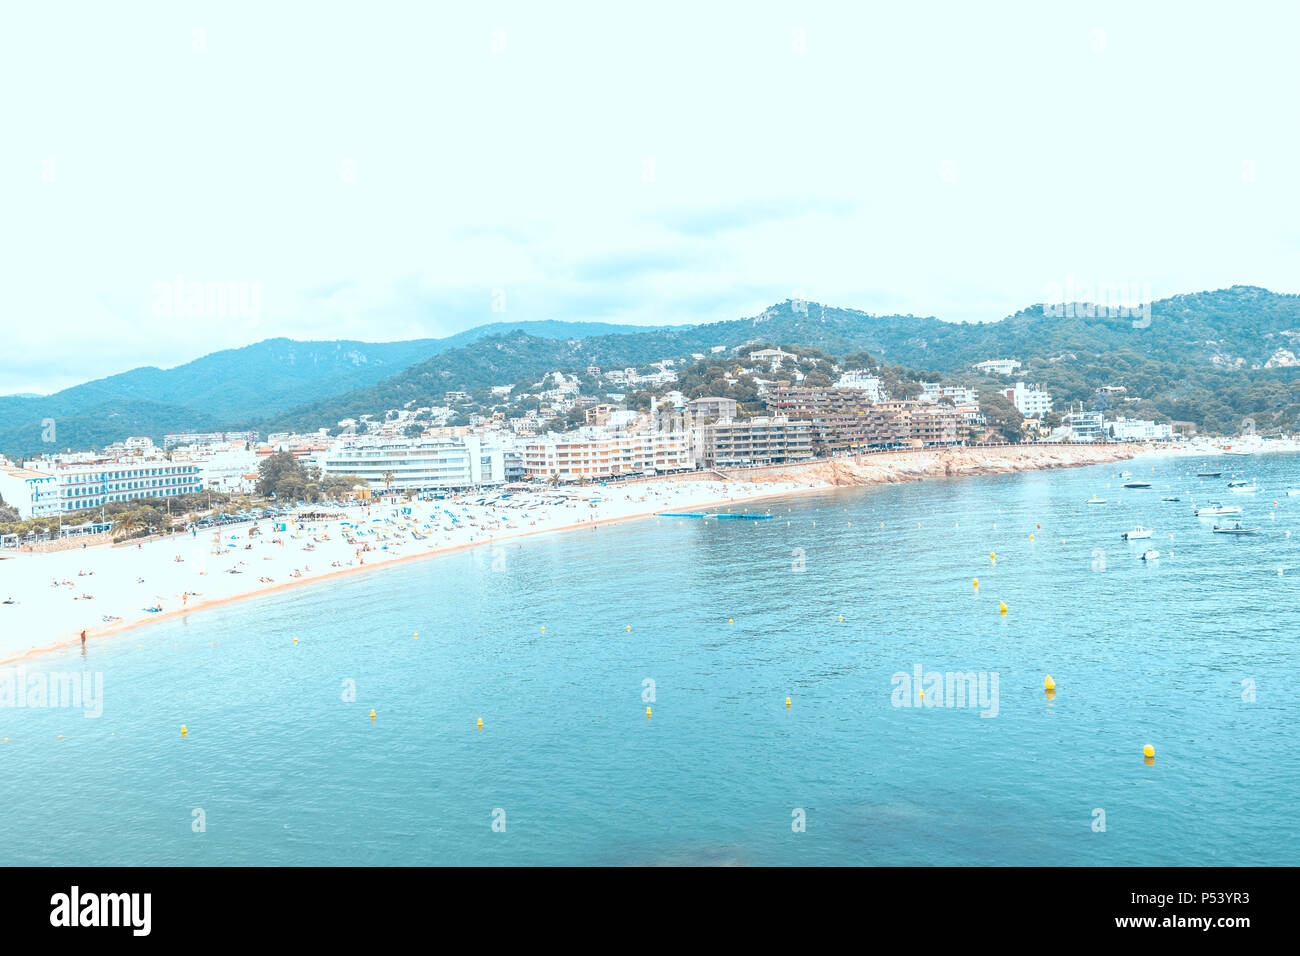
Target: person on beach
[[83, 638]]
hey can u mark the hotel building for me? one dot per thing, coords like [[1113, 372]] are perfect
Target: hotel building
[[418, 464], [33, 493], [80, 485]]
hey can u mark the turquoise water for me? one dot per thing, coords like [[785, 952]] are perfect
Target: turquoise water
[[285, 771]]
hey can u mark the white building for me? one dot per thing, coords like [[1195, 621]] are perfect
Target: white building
[[867, 383], [1029, 401], [1082, 426], [95, 484], [1132, 429], [932, 392], [998, 366], [574, 456], [229, 470], [34, 493], [418, 464]]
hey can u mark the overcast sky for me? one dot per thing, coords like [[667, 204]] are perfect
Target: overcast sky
[[389, 170]]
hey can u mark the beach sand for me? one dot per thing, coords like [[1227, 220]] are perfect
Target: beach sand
[[183, 573]]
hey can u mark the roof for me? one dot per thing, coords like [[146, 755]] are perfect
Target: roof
[[26, 473]]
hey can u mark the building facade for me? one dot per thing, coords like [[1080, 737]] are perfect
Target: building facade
[[571, 457], [83, 485], [34, 494], [418, 464], [754, 441]]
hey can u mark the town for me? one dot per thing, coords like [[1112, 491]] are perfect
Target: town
[[752, 407]]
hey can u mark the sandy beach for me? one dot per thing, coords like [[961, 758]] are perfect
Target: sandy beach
[[108, 589]]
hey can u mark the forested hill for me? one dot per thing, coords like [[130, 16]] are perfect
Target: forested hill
[[1212, 358]]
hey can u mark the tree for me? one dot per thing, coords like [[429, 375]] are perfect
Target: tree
[[275, 468], [387, 480]]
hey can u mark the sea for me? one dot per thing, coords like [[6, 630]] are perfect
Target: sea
[[632, 682]]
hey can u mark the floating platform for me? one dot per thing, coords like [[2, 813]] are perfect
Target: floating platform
[[711, 514]]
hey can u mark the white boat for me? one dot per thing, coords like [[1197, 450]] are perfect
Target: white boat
[[1171, 498], [1292, 492], [1236, 529], [1126, 474], [1150, 555], [1096, 501], [1241, 454], [1217, 510], [1138, 532], [1241, 488]]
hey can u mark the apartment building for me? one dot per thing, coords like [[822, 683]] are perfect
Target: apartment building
[[754, 441], [1030, 401], [571, 457], [706, 409]]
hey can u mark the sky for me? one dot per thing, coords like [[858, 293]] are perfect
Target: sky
[[178, 178]]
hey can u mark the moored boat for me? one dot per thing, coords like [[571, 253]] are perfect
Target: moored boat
[[1136, 533], [1216, 510]]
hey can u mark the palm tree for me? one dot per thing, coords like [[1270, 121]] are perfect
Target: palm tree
[[126, 524], [387, 480]]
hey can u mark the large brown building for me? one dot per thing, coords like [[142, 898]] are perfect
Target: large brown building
[[753, 441], [845, 420]]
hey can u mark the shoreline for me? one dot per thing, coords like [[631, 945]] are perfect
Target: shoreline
[[816, 476], [117, 629]]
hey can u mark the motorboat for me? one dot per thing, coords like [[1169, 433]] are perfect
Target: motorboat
[[1241, 488], [1171, 498], [1235, 529], [1217, 510], [1137, 484], [1208, 474], [1138, 532], [1150, 555], [1096, 501]]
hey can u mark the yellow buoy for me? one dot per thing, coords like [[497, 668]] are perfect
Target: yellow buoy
[[1002, 608], [841, 617], [295, 640], [416, 635], [480, 723], [543, 628], [976, 583], [731, 620], [1031, 537], [1049, 684], [787, 704], [629, 627], [647, 713], [372, 713], [923, 695], [184, 730], [1148, 751], [993, 557]]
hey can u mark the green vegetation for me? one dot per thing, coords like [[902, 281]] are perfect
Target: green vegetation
[[1211, 358], [285, 478]]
